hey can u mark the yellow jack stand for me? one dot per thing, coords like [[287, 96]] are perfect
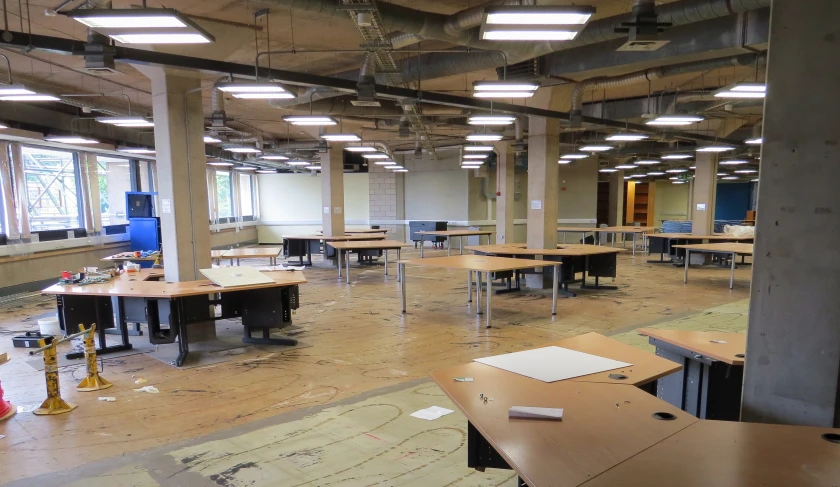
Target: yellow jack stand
[[93, 382], [54, 403]]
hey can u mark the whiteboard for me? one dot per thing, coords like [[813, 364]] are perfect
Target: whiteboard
[[236, 276], [550, 364]]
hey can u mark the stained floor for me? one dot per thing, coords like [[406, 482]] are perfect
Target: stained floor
[[359, 344]]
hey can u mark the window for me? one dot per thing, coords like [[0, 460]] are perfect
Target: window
[[224, 194], [114, 182], [147, 180], [246, 195], [52, 188]]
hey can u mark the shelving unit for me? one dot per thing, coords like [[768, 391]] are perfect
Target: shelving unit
[[639, 204]]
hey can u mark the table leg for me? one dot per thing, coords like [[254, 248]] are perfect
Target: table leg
[[469, 286], [687, 260], [399, 276], [461, 245], [308, 253], [564, 236], [489, 298], [347, 263], [554, 286], [634, 244], [385, 251], [448, 246], [732, 272], [338, 256], [478, 292], [422, 241], [402, 285]]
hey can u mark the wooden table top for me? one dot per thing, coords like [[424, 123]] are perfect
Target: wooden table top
[[335, 237], [703, 342], [138, 285], [727, 453], [368, 244], [561, 250], [253, 252], [480, 263], [124, 256], [457, 233], [216, 254], [361, 231], [688, 236], [626, 229], [577, 229], [594, 435], [738, 248]]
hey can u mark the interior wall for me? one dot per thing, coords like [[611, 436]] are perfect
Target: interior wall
[[291, 204], [436, 190], [230, 238], [733, 200], [671, 201], [578, 194]]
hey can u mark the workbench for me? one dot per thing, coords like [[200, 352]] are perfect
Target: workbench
[[582, 230], [728, 249], [598, 261], [665, 243], [709, 385], [623, 230], [144, 296], [450, 234], [271, 253], [343, 249], [300, 245], [480, 265]]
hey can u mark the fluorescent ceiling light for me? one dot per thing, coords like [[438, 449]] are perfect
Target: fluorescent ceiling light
[[15, 90], [314, 168], [677, 170], [638, 175], [129, 18], [755, 180], [647, 162], [656, 173], [677, 182], [723, 174], [385, 163], [595, 148], [734, 162], [608, 169], [730, 178], [756, 141], [742, 90], [361, 148], [220, 164], [675, 120], [401, 170], [574, 156], [3, 126], [144, 123], [677, 156], [71, 139], [244, 168], [745, 171], [484, 137], [564, 161], [470, 167], [376, 156], [135, 150], [715, 148], [35, 97], [310, 120], [211, 140], [266, 171], [242, 150], [527, 33], [673, 178], [470, 162], [251, 87], [341, 137], [626, 166], [265, 96], [503, 94], [298, 163], [692, 167], [626, 137], [395, 168], [478, 148], [504, 89], [538, 15], [475, 156], [274, 157], [491, 120], [162, 38], [121, 120], [627, 177]]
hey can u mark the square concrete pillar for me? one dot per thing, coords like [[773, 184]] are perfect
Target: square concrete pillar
[[704, 192], [543, 182], [332, 190], [616, 201]]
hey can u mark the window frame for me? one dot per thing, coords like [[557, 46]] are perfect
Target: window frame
[[77, 175]]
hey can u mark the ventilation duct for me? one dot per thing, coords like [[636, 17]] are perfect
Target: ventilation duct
[[366, 87]]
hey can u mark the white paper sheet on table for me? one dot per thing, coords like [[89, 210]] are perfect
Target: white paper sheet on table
[[431, 413], [550, 364]]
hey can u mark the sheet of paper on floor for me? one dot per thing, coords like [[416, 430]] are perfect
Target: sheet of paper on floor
[[550, 364], [431, 413]]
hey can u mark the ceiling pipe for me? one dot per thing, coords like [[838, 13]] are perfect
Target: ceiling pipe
[[343, 107]]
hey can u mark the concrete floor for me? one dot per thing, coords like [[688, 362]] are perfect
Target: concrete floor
[[361, 348]]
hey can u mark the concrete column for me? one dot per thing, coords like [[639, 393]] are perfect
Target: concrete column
[[792, 373], [332, 190], [704, 192], [504, 196], [616, 216], [181, 171], [543, 181]]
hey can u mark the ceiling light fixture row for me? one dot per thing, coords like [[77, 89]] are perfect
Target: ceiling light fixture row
[[534, 23], [504, 89], [675, 120], [15, 92], [143, 25], [255, 90]]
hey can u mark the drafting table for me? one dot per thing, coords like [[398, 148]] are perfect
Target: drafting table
[[665, 243], [450, 234], [253, 253], [261, 307], [731, 249], [582, 230], [598, 261], [596, 434], [344, 248], [623, 230], [298, 245], [709, 386], [480, 265]]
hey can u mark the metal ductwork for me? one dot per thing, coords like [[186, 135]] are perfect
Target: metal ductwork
[[366, 87], [688, 98], [342, 107], [218, 117], [310, 95], [652, 74]]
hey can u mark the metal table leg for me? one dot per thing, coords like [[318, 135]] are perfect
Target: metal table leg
[[399, 274], [448, 246], [732, 272], [461, 245], [687, 260], [478, 292], [338, 256], [554, 289], [347, 263], [564, 236], [422, 241], [489, 298], [634, 244], [469, 286], [402, 285], [385, 251]]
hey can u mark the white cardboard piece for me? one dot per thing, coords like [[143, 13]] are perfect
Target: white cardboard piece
[[550, 364], [236, 276], [527, 412], [431, 413]]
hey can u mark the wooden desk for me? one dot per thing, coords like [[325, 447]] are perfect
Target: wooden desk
[[597, 260], [593, 436], [582, 230], [346, 247], [723, 453], [667, 241], [252, 253], [710, 383], [122, 257], [261, 306], [622, 230], [216, 256], [302, 244], [450, 234], [732, 249], [480, 264]]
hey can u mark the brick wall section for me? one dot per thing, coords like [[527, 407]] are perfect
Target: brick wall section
[[383, 196]]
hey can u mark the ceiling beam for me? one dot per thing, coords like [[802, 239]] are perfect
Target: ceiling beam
[[139, 56]]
